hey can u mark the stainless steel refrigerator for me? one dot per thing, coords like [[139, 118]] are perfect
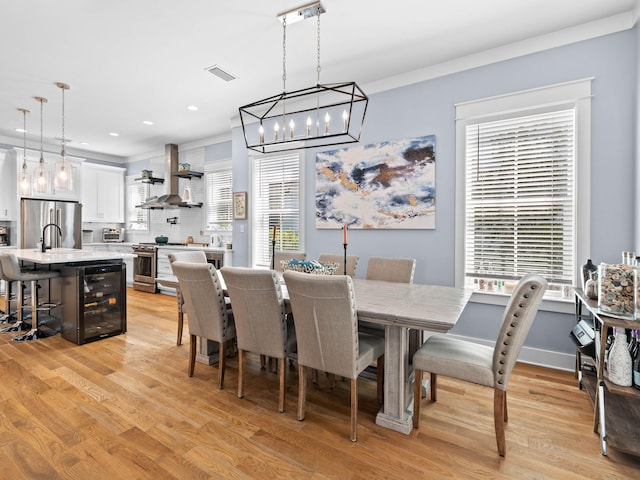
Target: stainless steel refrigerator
[[35, 214]]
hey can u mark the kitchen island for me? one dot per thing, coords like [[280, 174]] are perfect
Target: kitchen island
[[90, 294]]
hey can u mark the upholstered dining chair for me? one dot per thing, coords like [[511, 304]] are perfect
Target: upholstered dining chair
[[481, 364], [206, 309], [195, 256], [281, 256], [261, 320], [325, 316], [352, 262], [397, 270]]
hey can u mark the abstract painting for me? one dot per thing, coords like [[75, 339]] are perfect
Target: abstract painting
[[387, 185]]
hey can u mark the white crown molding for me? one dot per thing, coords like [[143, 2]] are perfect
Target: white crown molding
[[586, 31]]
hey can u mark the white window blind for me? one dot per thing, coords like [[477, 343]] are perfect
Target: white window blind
[[219, 207], [520, 199], [137, 218], [276, 202]]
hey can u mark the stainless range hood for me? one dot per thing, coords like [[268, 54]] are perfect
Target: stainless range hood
[[171, 199]]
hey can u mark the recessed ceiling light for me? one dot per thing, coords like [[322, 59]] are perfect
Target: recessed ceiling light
[[147, 122], [21, 130], [84, 143], [114, 134], [193, 108]]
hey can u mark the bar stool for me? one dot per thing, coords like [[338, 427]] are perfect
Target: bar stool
[[11, 270], [9, 315]]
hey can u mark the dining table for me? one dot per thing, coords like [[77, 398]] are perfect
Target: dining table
[[400, 307]]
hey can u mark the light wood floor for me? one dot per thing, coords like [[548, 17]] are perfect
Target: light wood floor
[[124, 408]]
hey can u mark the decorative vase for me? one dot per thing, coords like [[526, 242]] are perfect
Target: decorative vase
[[591, 286], [620, 360], [586, 268]]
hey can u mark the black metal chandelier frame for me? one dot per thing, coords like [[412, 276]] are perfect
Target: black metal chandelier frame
[[311, 108]]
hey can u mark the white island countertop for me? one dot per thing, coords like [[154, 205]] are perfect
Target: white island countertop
[[62, 255]]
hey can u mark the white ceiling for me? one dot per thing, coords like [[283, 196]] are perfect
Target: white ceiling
[[128, 61]]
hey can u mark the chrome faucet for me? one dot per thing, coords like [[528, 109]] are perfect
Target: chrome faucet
[[44, 247]]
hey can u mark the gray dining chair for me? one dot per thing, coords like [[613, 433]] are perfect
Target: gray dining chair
[[481, 364], [352, 262], [261, 320], [284, 256], [325, 316], [206, 309], [194, 256], [397, 270]]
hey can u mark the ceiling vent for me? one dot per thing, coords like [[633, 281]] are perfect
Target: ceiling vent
[[220, 73]]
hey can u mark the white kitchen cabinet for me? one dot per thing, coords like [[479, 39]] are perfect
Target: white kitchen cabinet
[[103, 193], [8, 198], [51, 159]]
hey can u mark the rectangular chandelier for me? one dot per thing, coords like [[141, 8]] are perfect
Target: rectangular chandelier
[[322, 115]]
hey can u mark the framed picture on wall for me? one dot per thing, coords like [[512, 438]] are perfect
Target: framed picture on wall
[[240, 206]]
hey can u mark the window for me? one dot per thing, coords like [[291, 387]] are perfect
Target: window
[[137, 193], [519, 210], [219, 186], [276, 202]]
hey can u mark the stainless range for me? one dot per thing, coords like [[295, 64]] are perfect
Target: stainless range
[[145, 267]]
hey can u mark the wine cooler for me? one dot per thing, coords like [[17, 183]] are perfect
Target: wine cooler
[[94, 302]]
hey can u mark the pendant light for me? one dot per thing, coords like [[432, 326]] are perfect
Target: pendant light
[[63, 180], [311, 107], [41, 177], [25, 176]]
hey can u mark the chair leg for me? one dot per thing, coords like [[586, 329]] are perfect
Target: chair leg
[[302, 391], [417, 396], [192, 354], [263, 361], [380, 379], [433, 383], [180, 327], [282, 385], [221, 355], [498, 419], [241, 359], [506, 417], [354, 409]]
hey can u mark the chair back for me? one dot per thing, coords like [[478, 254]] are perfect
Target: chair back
[[193, 256], [204, 301], [399, 270], [281, 256], [352, 262], [258, 310], [518, 317], [10, 267], [324, 313]]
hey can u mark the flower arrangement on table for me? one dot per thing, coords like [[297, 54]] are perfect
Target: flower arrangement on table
[[310, 266]]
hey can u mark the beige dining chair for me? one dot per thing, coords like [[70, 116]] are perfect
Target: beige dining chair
[[352, 262], [261, 321], [397, 270], [481, 364], [206, 309], [325, 316], [194, 256], [284, 256]]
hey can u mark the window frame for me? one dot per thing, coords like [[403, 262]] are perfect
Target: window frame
[[577, 95], [255, 210], [211, 169], [132, 203]]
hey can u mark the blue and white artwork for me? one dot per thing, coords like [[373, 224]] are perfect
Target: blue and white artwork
[[382, 185]]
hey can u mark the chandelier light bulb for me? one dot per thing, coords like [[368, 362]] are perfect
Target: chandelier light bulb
[[345, 121], [261, 133], [291, 129], [327, 118], [276, 128]]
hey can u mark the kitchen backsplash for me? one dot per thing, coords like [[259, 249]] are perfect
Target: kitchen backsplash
[[188, 221]]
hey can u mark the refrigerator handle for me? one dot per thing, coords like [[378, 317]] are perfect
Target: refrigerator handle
[[50, 232], [56, 235]]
